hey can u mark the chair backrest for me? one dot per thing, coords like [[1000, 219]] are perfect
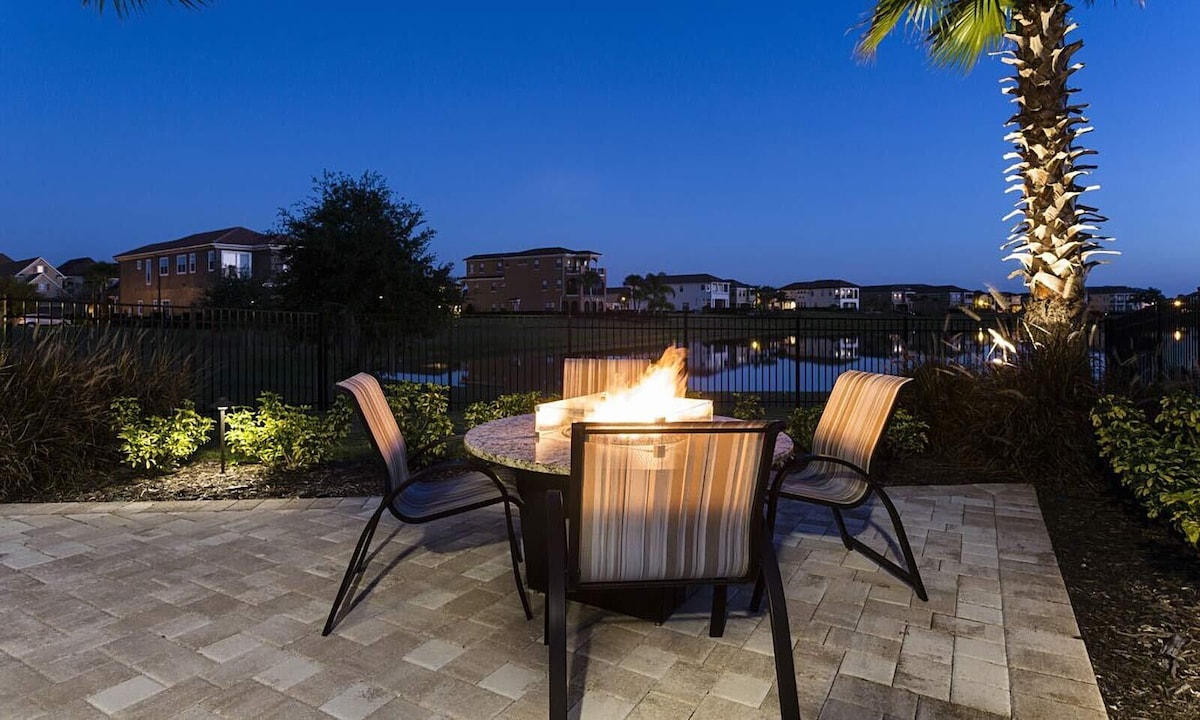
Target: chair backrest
[[854, 417], [381, 425], [584, 376], [684, 504]]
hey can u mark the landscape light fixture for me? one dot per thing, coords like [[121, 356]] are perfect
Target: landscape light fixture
[[222, 406]]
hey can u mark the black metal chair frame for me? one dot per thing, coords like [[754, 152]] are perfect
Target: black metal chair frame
[[910, 575], [563, 522], [359, 559]]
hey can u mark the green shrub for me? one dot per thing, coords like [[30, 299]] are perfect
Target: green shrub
[[422, 411], [56, 387], [1159, 460], [158, 442], [747, 406], [504, 406], [904, 436], [286, 437]]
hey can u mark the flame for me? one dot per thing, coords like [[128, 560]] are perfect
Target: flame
[[647, 400]]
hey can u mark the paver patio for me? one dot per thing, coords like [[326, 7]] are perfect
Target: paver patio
[[214, 609]]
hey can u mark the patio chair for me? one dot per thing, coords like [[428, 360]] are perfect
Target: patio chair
[[649, 506], [584, 376], [441, 490], [837, 472]]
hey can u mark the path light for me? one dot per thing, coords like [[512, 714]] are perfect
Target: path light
[[222, 406]]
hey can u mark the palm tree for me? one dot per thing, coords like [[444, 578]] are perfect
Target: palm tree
[[637, 290], [125, 7], [590, 281], [655, 291], [1053, 240]]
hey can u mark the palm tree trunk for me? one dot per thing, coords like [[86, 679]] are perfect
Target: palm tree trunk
[[1054, 238]]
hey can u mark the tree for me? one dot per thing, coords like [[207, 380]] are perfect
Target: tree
[[354, 244], [236, 291], [1054, 240], [97, 279], [14, 289], [637, 291], [591, 281], [767, 297], [655, 291]]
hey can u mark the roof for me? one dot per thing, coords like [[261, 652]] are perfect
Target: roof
[[693, 278], [815, 284], [532, 253], [76, 266], [1111, 290], [915, 287], [228, 236], [4, 259], [12, 267]]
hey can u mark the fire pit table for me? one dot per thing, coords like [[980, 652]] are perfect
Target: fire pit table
[[543, 462]]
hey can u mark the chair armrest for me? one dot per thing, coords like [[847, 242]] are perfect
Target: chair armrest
[[466, 465], [800, 461]]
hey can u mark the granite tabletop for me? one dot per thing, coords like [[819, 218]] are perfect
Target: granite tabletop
[[512, 442]]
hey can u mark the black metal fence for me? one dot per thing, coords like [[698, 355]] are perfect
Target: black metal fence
[[1157, 344], [788, 359]]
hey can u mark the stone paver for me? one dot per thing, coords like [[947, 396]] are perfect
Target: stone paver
[[214, 609]]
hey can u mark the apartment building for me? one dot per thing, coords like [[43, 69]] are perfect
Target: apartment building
[[550, 279], [179, 272]]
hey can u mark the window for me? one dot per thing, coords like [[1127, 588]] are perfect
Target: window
[[235, 264], [557, 262], [180, 264], [543, 284], [212, 260], [558, 284], [499, 264], [139, 301], [139, 264], [164, 266], [192, 263], [40, 269], [149, 271], [537, 263]]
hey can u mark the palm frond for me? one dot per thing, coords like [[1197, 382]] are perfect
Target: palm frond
[[919, 14], [124, 8], [967, 30]]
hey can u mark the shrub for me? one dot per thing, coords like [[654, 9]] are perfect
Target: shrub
[[287, 437], [56, 387], [157, 442], [747, 406], [904, 436], [422, 411], [502, 407], [1159, 460]]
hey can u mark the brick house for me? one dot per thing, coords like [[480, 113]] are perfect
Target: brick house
[[179, 272], [548, 279]]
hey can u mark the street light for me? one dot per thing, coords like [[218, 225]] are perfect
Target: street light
[[222, 406]]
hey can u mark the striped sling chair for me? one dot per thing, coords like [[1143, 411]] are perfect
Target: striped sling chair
[[837, 472], [662, 506], [584, 376], [440, 490]]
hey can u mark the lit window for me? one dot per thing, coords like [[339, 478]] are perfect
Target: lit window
[[235, 264]]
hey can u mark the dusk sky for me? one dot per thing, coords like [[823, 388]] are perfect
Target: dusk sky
[[738, 139]]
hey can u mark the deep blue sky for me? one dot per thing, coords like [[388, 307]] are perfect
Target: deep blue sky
[[739, 139]]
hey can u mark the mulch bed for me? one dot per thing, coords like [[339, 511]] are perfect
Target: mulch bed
[[1134, 585]]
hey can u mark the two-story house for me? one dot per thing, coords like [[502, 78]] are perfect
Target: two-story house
[[551, 279], [823, 294], [180, 272], [699, 291], [37, 272], [1105, 299], [741, 295], [918, 298]]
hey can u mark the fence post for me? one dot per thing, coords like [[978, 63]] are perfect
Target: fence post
[[322, 363], [3, 320], [569, 350], [1159, 348], [796, 349], [685, 328], [450, 362]]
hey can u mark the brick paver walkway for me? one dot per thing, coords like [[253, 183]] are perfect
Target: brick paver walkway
[[214, 609]]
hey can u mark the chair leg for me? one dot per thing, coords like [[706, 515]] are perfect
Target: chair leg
[[781, 635], [556, 599], [841, 523], [772, 508], [358, 562], [913, 576], [515, 553], [716, 622]]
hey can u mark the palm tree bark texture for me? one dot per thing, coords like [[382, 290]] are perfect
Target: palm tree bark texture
[[1054, 238]]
